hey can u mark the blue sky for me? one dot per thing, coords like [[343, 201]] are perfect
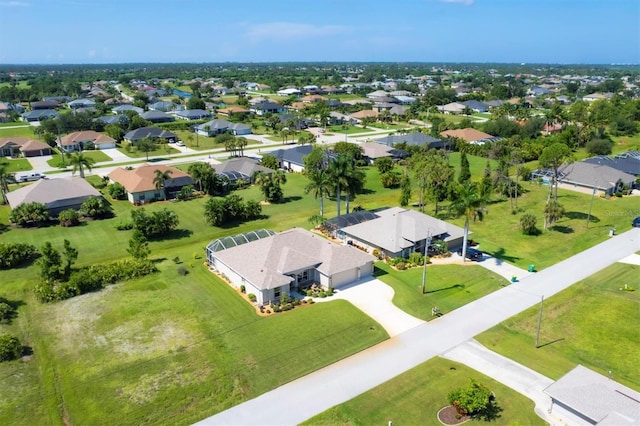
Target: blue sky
[[109, 31]]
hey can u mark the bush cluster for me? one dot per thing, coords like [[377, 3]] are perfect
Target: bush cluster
[[218, 211], [317, 291], [155, 224], [414, 259], [7, 311], [10, 347], [94, 278], [15, 254]]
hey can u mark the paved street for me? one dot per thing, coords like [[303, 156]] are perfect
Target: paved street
[[301, 399]]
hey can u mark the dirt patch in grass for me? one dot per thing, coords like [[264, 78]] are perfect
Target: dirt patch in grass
[[134, 339]]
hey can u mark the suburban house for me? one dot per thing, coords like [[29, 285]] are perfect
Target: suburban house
[[16, 146], [584, 397], [120, 119], [140, 186], [288, 91], [588, 175], [293, 158], [77, 141], [217, 126], [395, 232], [164, 106], [157, 117], [365, 113], [150, 132], [82, 103], [374, 150], [627, 162], [227, 112], [270, 265], [56, 194], [39, 114], [596, 97], [122, 108], [452, 108], [240, 168], [412, 139], [46, 104], [470, 135], [193, 114], [476, 106], [267, 108]]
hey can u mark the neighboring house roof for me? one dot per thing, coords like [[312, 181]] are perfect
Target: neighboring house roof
[[246, 167], [157, 116], [600, 399], [375, 150], [81, 103], [123, 108], [113, 119], [161, 106], [494, 103], [267, 262], [54, 193], [86, 136], [413, 139], [23, 144], [476, 105], [149, 132], [193, 114], [293, 155], [39, 114], [469, 135], [628, 162], [396, 229], [219, 125], [365, 113], [232, 110], [455, 107], [267, 106], [141, 179], [587, 174], [51, 104]]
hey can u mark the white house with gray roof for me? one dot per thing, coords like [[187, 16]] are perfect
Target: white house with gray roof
[[398, 232], [281, 263], [56, 194]]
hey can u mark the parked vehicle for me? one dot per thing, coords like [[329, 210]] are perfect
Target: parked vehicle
[[30, 177], [180, 143], [636, 222], [472, 254]]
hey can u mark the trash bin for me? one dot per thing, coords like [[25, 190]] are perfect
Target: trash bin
[[532, 268], [612, 232], [514, 279]]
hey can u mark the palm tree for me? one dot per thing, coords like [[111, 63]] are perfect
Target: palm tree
[[79, 161], [160, 179], [471, 204], [319, 186], [355, 183], [199, 172], [339, 170], [4, 181]]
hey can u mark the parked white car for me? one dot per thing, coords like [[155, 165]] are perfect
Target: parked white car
[[180, 143], [29, 177]]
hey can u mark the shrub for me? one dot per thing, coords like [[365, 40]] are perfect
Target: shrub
[[599, 146], [7, 311], [95, 207], [528, 224], [69, 217], [416, 258], [10, 347], [243, 289], [182, 271], [401, 266], [15, 254], [177, 260], [124, 226], [117, 191], [252, 297]]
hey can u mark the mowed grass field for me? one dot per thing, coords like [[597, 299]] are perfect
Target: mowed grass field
[[593, 323], [415, 397]]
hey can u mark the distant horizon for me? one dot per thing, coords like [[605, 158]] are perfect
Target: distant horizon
[[84, 32]]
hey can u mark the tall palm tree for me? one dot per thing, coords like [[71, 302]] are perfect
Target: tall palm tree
[[355, 183], [472, 205], [160, 179], [79, 161], [199, 172], [320, 186], [5, 176], [339, 169]]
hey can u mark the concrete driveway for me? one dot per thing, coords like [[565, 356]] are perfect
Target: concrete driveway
[[374, 298]]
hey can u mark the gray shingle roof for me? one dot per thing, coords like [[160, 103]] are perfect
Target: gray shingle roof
[[596, 396], [413, 139], [245, 166], [293, 155], [587, 174], [629, 162], [149, 132], [54, 193]]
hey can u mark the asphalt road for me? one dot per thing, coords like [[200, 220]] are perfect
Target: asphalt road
[[303, 398]]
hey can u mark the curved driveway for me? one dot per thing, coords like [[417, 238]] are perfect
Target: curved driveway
[[307, 396]]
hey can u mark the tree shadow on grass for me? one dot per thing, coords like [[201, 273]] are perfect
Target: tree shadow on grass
[[562, 229], [176, 234], [460, 286], [501, 255], [582, 216], [289, 199], [491, 412], [377, 272], [550, 343], [10, 316]]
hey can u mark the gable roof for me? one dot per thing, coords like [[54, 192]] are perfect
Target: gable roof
[[266, 262], [596, 397], [86, 136], [157, 116], [468, 135], [123, 108], [54, 193], [397, 228], [40, 113], [141, 178], [365, 113], [413, 139], [23, 144], [149, 132], [195, 114], [628, 162], [587, 174]]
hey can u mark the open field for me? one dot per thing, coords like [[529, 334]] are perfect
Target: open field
[[16, 164], [162, 149], [593, 323], [15, 124], [97, 156], [416, 396], [25, 131]]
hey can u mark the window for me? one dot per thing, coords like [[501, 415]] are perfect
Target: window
[[276, 292]]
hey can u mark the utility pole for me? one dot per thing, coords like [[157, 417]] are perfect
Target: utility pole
[[539, 322], [424, 266], [595, 184]]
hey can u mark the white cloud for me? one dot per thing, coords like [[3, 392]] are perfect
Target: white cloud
[[291, 31], [467, 2], [14, 4]]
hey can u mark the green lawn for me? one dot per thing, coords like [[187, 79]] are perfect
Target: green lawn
[[16, 164], [447, 287], [14, 124], [592, 323], [97, 156], [163, 149], [350, 130], [416, 396], [26, 132]]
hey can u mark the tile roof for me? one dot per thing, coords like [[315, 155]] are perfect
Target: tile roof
[[365, 113], [266, 262], [141, 178], [86, 136], [469, 134], [24, 144]]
